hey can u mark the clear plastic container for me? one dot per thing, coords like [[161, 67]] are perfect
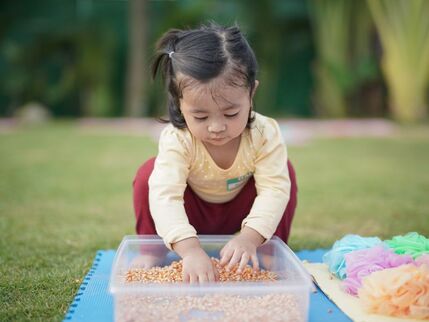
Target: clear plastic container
[[286, 299]]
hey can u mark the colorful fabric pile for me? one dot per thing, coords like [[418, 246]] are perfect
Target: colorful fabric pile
[[390, 277]]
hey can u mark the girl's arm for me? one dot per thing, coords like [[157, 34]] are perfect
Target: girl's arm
[[167, 184], [166, 188], [272, 182], [273, 188]]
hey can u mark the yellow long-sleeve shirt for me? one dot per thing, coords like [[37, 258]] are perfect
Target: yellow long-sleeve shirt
[[183, 160]]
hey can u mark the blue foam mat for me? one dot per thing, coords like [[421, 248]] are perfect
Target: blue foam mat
[[93, 303]]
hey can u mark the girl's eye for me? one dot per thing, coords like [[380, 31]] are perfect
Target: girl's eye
[[203, 118], [231, 115]]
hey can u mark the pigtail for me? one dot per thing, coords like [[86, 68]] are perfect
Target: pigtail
[[162, 62]]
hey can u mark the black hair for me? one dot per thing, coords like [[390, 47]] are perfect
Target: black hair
[[201, 55]]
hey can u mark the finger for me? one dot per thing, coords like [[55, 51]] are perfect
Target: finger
[[226, 257], [193, 279], [186, 278], [211, 276], [243, 262], [236, 257], [216, 273], [222, 251], [255, 262], [139, 262], [203, 278]]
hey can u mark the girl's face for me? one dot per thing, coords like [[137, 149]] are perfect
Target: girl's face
[[216, 117]]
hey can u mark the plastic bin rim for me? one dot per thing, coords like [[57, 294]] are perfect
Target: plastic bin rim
[[209, 288], [307, 284]]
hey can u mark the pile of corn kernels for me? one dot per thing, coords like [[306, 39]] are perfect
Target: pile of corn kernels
[[173, 274], [208, 307], [205, 307]]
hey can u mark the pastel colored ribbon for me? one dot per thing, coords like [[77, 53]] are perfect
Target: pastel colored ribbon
[[361, 263], [335, 257], [411, 244], [424, 259], [402, 291]]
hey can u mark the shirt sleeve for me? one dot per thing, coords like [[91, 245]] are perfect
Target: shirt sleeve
[[167, 184], [272, 182]]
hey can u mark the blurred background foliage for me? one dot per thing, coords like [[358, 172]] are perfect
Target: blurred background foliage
[[318, 58]]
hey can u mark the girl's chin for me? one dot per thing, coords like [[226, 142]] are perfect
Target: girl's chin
[[217, 142], [221, 142]]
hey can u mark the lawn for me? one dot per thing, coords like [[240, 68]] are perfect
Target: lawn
[[66, 192]]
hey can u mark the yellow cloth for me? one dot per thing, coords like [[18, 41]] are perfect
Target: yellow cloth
[[183, 160]]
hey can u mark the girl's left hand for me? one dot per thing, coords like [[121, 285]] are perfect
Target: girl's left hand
[[241, 249]]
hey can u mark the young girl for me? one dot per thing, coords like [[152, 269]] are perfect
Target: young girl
[[221, 167]]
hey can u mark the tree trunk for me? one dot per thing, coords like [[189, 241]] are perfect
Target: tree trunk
[[135, 78]]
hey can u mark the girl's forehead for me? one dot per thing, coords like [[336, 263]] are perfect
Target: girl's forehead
[[221, 98], [221, 94]]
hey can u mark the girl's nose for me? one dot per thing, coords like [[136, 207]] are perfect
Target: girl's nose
[[216, 127]]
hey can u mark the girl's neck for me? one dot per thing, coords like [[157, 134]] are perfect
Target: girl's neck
[[224, 155]]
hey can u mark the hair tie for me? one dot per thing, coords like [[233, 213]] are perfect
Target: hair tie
[[170, 54]]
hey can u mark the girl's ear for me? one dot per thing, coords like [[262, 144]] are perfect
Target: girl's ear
[[256, 86]]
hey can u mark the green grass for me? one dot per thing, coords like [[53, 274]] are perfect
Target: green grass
[[64, 193]]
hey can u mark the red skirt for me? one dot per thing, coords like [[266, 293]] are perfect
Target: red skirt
[[209, 218]]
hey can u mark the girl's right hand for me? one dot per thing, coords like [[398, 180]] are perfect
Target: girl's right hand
[[198, 267]]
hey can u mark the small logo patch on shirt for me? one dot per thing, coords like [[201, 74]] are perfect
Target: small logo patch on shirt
[[234, 183]]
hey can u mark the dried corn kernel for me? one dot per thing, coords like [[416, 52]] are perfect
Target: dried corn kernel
[[205, 307], [173, 274]]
